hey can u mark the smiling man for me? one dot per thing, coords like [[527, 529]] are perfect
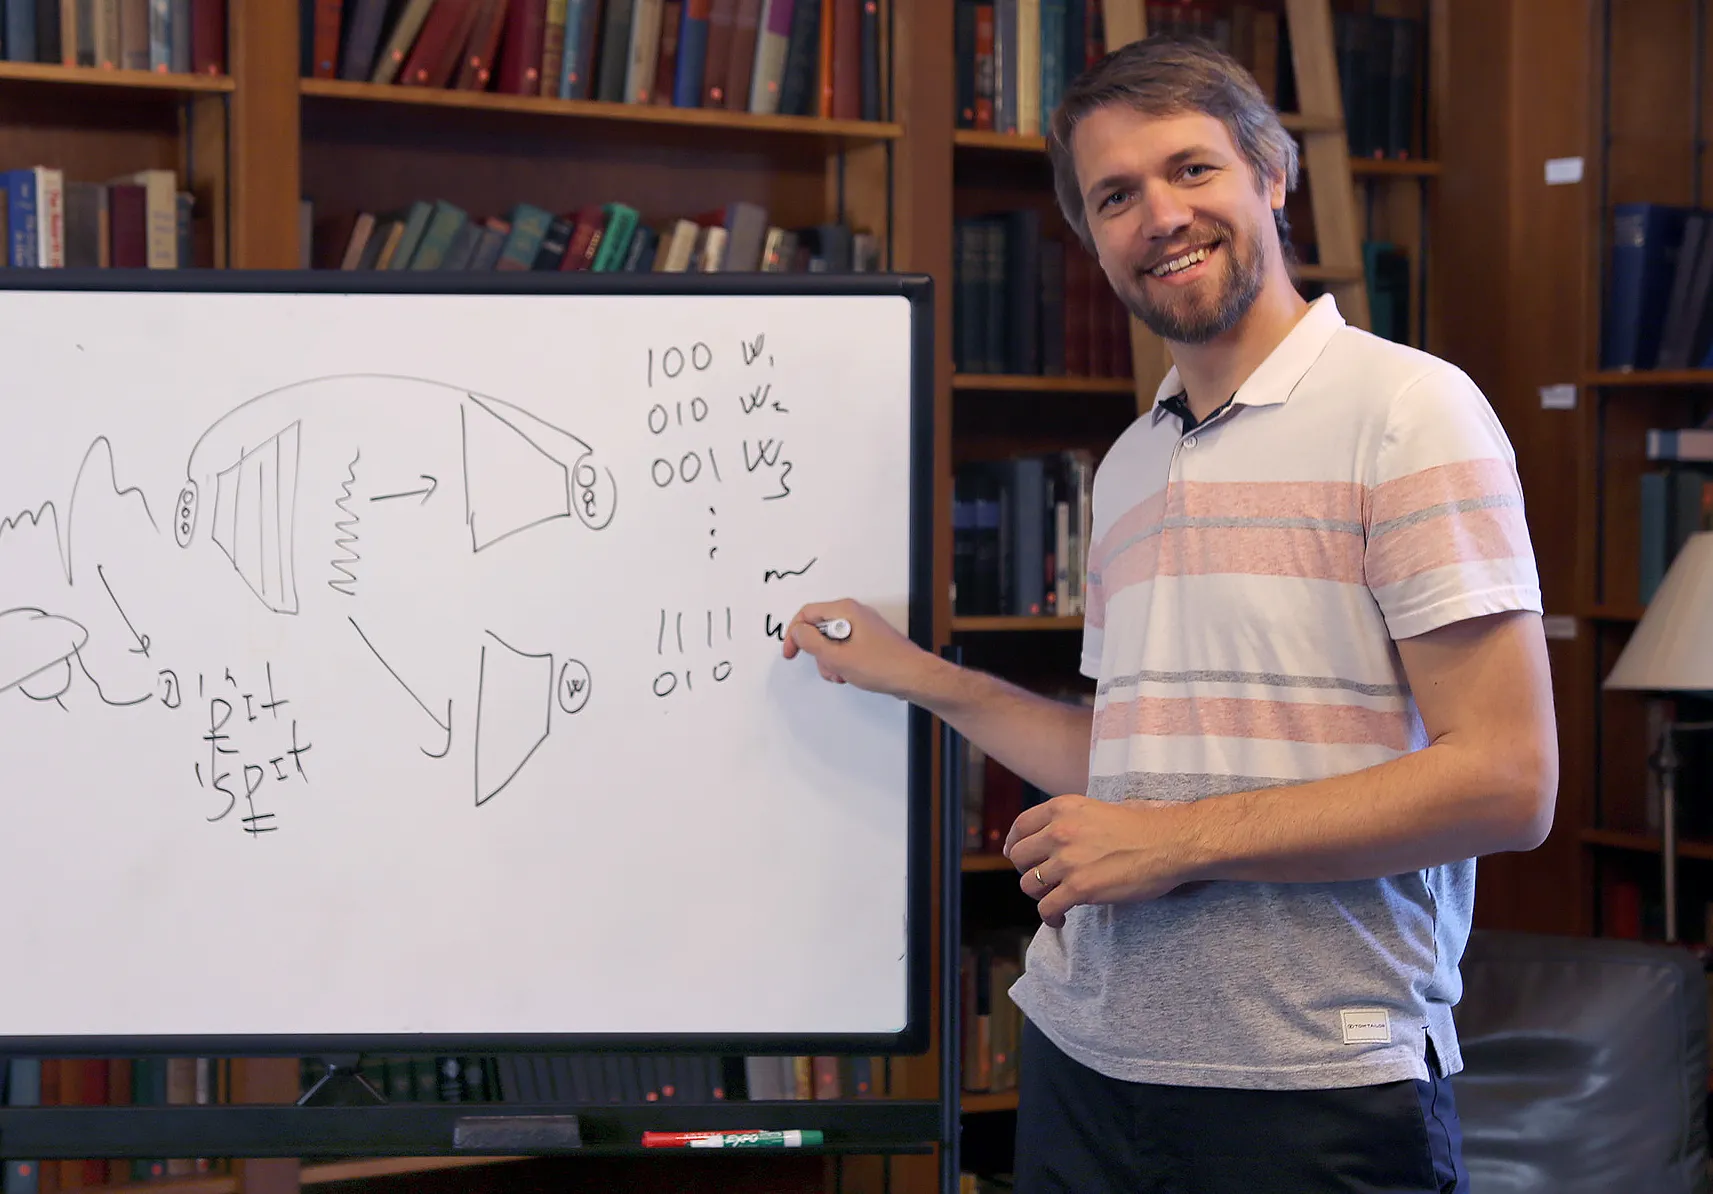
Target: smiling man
[[1313, 620]]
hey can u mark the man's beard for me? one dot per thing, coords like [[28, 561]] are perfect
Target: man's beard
[[1186, 318]]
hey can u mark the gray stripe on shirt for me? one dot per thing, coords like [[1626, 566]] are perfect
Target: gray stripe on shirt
[[1267, 679], [1491, 502], [1165, 785]]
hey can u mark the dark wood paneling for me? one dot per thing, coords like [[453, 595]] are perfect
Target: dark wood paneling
[[1652, 120], [360, 157], [264, 181], [91, 135], [1511, 315]]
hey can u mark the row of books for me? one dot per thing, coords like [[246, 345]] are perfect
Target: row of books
[[792, 57], [611, 1078], [181, 36], [1015, 58], [992, 1025], [1026, 301], [1676, 499], [991, 795], [115, 1082], [139, 220], [440, 235], [1020, 530], [1657, 314]]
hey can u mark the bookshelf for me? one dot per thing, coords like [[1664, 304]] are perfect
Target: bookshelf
[[1570, 113], [1646, 147]]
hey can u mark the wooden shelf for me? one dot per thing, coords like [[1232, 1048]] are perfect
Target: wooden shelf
[[1644, 843], [344, 1171], [217, 1184], [1026, 622], [1392, 168], [133, 80], [848, 131], [1003, 1100], [1030, 384], [1642, 378], [1003, 142], [309, 1175], [973, 863]]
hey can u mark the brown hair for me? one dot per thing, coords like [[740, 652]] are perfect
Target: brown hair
[[1166, 75]]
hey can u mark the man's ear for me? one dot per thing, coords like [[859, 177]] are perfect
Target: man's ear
[[1276, 191]]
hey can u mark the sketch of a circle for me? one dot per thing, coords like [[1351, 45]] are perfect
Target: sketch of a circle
[[574, 686], [665, 359], [661, 411], [698, 409], [671, 681], [701, 355], [722, 669], [670, 474], [184, 514], [684, 467], [597, 501]]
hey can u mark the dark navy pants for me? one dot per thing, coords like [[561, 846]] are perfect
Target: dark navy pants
[[1083, 1132]]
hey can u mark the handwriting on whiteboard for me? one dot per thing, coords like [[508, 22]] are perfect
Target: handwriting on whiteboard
[[306, 505]]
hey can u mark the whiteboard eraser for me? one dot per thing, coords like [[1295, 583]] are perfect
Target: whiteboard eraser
[[516, 1133]]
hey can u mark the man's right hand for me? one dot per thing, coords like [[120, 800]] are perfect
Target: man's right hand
[[875, 657]]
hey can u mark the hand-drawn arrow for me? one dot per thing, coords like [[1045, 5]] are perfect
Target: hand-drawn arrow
[[425, 494], [444, 725]]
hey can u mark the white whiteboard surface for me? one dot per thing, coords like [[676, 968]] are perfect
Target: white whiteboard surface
[[477, 591]]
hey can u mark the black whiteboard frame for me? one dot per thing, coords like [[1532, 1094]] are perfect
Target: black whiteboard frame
[[915, 1036]]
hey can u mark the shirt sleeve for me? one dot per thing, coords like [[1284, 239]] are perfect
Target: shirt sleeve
[[1094, 622], [1446, 534]]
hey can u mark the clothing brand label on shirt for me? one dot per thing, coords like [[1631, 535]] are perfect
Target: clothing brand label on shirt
[[1366, 1025]]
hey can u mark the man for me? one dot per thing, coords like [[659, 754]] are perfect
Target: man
[[1322, 692]]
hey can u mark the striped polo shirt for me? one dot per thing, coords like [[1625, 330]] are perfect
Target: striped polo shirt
[[1246, 582]]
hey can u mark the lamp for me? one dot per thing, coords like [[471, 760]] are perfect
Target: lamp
[[1671, 653]]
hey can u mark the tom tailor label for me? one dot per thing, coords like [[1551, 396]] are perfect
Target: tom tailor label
[[1366, 1025]]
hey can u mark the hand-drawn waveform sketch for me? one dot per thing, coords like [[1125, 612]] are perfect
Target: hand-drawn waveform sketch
[[310, 504], [69, 567]]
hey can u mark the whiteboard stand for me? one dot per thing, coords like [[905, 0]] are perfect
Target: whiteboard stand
[[146, 360]]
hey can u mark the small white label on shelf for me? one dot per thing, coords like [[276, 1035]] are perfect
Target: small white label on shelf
[[1559, 626], [1559, 397], [1560, 171]]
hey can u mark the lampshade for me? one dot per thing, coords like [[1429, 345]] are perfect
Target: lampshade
[[1672, 647]]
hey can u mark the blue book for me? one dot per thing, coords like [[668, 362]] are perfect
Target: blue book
[[692, 51], [21, 232], [21, 30], [1645, 242]]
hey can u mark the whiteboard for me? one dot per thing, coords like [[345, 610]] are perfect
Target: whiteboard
[[393, 661]]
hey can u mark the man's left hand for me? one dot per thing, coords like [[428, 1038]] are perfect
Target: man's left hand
[[1073, 850]]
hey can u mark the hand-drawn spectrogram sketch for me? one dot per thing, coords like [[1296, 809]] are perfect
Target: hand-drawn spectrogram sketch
[[254, 509]]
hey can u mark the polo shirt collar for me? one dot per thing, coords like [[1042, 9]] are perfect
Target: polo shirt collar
[[1274, 378]]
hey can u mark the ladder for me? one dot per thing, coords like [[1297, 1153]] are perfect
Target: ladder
[[1325, 164]]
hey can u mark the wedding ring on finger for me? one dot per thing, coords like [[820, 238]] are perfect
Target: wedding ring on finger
[[1038, 878]]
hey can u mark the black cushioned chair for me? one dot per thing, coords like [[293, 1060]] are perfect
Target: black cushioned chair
[[1585, 1066]]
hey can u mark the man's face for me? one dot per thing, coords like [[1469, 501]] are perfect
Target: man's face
[[1181, 230]]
